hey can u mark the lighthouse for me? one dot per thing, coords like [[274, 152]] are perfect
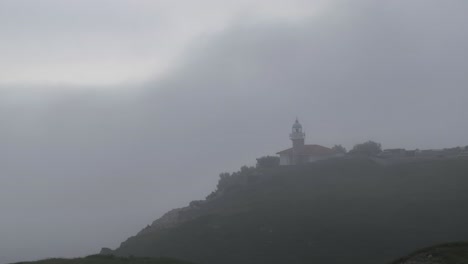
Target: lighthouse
[[297, 136], [301, 153]]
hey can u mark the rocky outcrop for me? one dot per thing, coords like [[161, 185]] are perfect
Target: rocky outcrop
[[175, 217], [168, 220], [106, 251]]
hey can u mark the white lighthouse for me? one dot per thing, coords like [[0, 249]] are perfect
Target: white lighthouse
[[297, 136], [300, 152]]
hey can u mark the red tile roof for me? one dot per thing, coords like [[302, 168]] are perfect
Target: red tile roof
[[309, 150]]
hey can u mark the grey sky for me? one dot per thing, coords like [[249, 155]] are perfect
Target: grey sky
[[110, 118], [110, 41]]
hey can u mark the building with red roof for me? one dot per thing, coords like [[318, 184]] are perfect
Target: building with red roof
[[300, 152]]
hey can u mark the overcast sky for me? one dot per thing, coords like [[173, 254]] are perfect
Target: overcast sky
[[113, 112], [114, 41]]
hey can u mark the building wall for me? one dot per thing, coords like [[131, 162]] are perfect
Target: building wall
[[284, 160], [317, 158], [313, 158]]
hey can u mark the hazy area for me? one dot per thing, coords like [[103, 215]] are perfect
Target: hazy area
[[88, 160]]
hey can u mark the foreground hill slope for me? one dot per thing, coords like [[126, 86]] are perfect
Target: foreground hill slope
[[97, 259], [337, 211], [453, 253]]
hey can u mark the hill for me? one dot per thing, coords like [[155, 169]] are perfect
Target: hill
[[336, 211], [101, 259], [453, 253]]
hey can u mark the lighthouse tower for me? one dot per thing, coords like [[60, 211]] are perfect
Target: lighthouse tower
[[301, 153], [297, 136]]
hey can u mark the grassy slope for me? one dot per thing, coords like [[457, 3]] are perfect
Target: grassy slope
[[349, 211], [97, 259]]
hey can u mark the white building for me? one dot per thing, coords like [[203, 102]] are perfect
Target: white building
[[300, 152]]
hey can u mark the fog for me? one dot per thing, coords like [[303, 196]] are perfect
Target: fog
[[84, 168]]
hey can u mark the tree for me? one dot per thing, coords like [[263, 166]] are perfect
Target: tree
[[339, 149], [223, 180], [268, 162], [224, 175], [369, 148], [246, 170]]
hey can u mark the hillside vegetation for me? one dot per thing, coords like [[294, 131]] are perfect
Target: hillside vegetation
[[453, 253], [101, 259], [336, 211]]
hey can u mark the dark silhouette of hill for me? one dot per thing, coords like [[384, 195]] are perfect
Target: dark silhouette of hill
[[349, 210], [101, 259], [452, 253]]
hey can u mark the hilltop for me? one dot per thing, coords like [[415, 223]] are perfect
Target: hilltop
[[349, 210]]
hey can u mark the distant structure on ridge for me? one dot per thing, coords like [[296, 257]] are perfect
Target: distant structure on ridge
[[301, 153]]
